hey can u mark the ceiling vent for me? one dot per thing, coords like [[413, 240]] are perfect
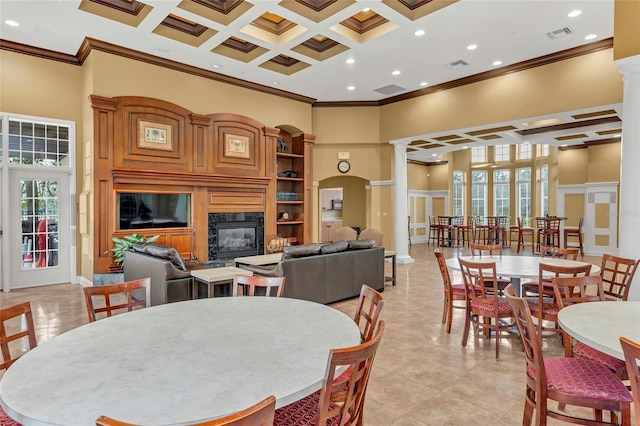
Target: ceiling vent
[[562, 32], [390, 89], [460, 63]]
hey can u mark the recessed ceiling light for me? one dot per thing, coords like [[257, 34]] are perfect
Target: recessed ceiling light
[[424, 83], [496, 63], [591, 36], [163, 49], [351, 87], [216, 66], [564, 144], [465, 147], [11, 23], [434, 155], [396, 72], [472, 47], [275, 83], [350, 61], [575, 13], [366, 9], [617, 135], [419, 33]]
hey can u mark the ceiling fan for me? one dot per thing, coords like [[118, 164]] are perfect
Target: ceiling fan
[[492, 164]]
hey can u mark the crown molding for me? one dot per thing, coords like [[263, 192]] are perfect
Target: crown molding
[[12, 46]]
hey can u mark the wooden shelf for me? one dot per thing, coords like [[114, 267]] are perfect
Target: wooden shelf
[[290, 202], [290, 222], [287, 155], [291, 179]]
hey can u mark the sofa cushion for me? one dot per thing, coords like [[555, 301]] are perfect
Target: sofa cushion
[[305, 250], [162, 251], [361, 244], [335, 247]]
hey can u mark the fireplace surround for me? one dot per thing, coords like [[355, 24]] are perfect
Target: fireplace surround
[[232, 235]]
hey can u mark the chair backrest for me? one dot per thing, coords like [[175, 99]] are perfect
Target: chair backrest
[[519, 221], [432, 220], [345, 399], [554, 225], [259, 414], [444, 271], [529, 334], [457, 220], [480, 281], [267, 286], [490, 249], [372, 234], [370, 304], [564, 253], [492, 221], [471, 221], [547, 271], [572, 290], [443, 221], [118, 291], [617, 274], [345, 233], [580, 224], [631, 352], [6, 337]]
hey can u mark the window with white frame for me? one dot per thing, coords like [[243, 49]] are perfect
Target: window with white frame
[[501, 193], [478, 154], [458, 193], [38, 143], [543, 150], [479, 194], [524, 151], [544, 190], [523, 186], [501, 153]]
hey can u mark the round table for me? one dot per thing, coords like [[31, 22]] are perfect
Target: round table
[[516, 267], [601, 324], [178, 363]]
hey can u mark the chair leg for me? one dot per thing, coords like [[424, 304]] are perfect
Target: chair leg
[[445, 309], [467, 324]]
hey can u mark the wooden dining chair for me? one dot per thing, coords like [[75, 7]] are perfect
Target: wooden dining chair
[[265, 286], [346, 233], [491, 250], [568, 381], [530, 288], [20, 318], [486, 309], [368, 309], [338, 403], [123, 296], [631, 351], [372, 234], [259, 414], [574, 232], [617, 274], [451, 291], [546, 308], [571, 290], [525, 231]]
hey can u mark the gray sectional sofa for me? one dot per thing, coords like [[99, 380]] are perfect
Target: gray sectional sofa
[[327, 273]]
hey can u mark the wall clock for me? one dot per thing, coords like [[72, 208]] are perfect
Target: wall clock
[[343, 166]]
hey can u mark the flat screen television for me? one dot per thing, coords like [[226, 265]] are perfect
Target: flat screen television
[[138, 210]]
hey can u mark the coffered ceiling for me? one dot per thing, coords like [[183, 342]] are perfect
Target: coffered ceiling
[[349, 52]]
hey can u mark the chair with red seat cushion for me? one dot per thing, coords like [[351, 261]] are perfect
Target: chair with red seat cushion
[[451, 291], [530, 288], [572, 290], [574, 232], [368, 309], [569, 381], [21, 311], [617, 274], [337, 403], [631, 351], [486, 309], [524, 231]]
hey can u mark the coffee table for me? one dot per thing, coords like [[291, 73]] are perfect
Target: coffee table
[[260, 260], [178, 363], [214, 276]]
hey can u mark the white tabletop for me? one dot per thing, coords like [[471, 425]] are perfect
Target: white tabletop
[[519, 266], [212, 275], [177, 363], [601, 324]]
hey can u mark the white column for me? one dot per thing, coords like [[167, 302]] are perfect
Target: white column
[[401, 199], [630, 172]]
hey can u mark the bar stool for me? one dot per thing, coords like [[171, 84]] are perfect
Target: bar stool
[[465, 232], [522, 232], [481, 231], [575, 232]]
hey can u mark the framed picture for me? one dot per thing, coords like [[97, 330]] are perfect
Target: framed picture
[[236, 146], [154, 135]]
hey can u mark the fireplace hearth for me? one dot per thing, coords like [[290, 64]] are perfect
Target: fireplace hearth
[[234, 235]]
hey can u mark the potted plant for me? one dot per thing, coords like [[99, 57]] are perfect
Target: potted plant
[[126, 243]]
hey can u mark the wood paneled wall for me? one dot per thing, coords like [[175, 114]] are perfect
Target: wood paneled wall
[[226, 162]]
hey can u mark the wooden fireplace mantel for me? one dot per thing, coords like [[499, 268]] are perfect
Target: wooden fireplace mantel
[[225, 162]]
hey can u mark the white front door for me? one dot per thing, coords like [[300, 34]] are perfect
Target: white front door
[[39, 220]]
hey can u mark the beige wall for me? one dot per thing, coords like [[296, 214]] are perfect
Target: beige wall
[[582, 82], [626, 34], [417, 176], [571, 166], [604, 163], [439, 177]]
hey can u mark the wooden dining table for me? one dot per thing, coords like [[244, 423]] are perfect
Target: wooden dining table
[[518, 267], [601, 324], [178, 363]]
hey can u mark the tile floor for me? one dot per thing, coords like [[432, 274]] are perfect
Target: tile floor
[[421, 375]]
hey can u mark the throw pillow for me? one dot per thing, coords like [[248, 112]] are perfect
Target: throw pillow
[[335, 247], [361, 244]]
